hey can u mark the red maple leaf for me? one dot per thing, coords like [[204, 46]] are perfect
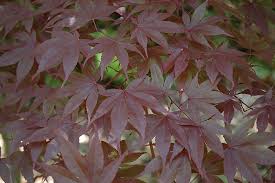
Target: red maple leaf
[[83, 169], [23, 55], [111, 47], [181, 52], [199, 133], [64, 48], [163, 127], [221, 60], [228, 107], [87, 11], [256, 14], [178, 169], [12, 13], [82, 88], [197, 27], [201, 97], [50, 5], [150, 24], [265, 106], [128, 104], [244, 150]]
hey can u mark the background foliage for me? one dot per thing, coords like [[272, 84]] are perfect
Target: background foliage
[[137, 91]]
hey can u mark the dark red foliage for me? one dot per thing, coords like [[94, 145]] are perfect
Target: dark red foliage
[[172, 109]]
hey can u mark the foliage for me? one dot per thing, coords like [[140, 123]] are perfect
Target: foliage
[[156, 85]]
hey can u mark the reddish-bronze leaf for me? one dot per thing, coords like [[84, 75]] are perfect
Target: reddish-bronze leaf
[[245, 150], [111, 47], [150, 24], [23, 55], [64, 48]]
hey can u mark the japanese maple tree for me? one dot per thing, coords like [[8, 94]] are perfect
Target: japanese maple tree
[[158, 90]]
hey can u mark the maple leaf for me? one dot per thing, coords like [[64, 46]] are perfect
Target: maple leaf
[[128, 104], [34, 128], [111, 47], [178, 169], [12, 12], [163, 128], [79, 168], [201, 97], [214, 166], [158, 80], [244, 150], [23, 55], [14, 96], [63, 47], [154, 53], [4, 78], [142, 6], [171, 5], [190, 134], [186, 120], [265, 106], [197, 133], [22, 161], [221, 60], [5, 172], [180, 55], [35, 95], [150, 24], [49, 5], [86, 11], [197, 27], [257, 15], [228, 107], [82, 88]]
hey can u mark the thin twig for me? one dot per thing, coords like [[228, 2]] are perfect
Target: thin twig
[[95, 26], [152, 149], [179, 108], [249, 107], [115, 77]]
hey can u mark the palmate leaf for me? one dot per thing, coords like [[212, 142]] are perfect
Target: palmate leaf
[[150, 25], [36, 128], [213, 166], [189, 134], [196, 27], [246, 150], [201, 97], [83, 169], [86, 11], [222, 60], [23, 163], [82, 88], [157, 4], [23, 55], [5, 173], [128, 104], [21, 95], [12, 13], [161, 122], [49, 5], [163, 128], [256, 14], [264, 111], [178, 169], [111, 47], [230, 106], [196, 135], [64, 48], [181, 54]]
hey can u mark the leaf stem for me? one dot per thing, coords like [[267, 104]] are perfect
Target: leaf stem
[[152, 149], [115, 77]]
